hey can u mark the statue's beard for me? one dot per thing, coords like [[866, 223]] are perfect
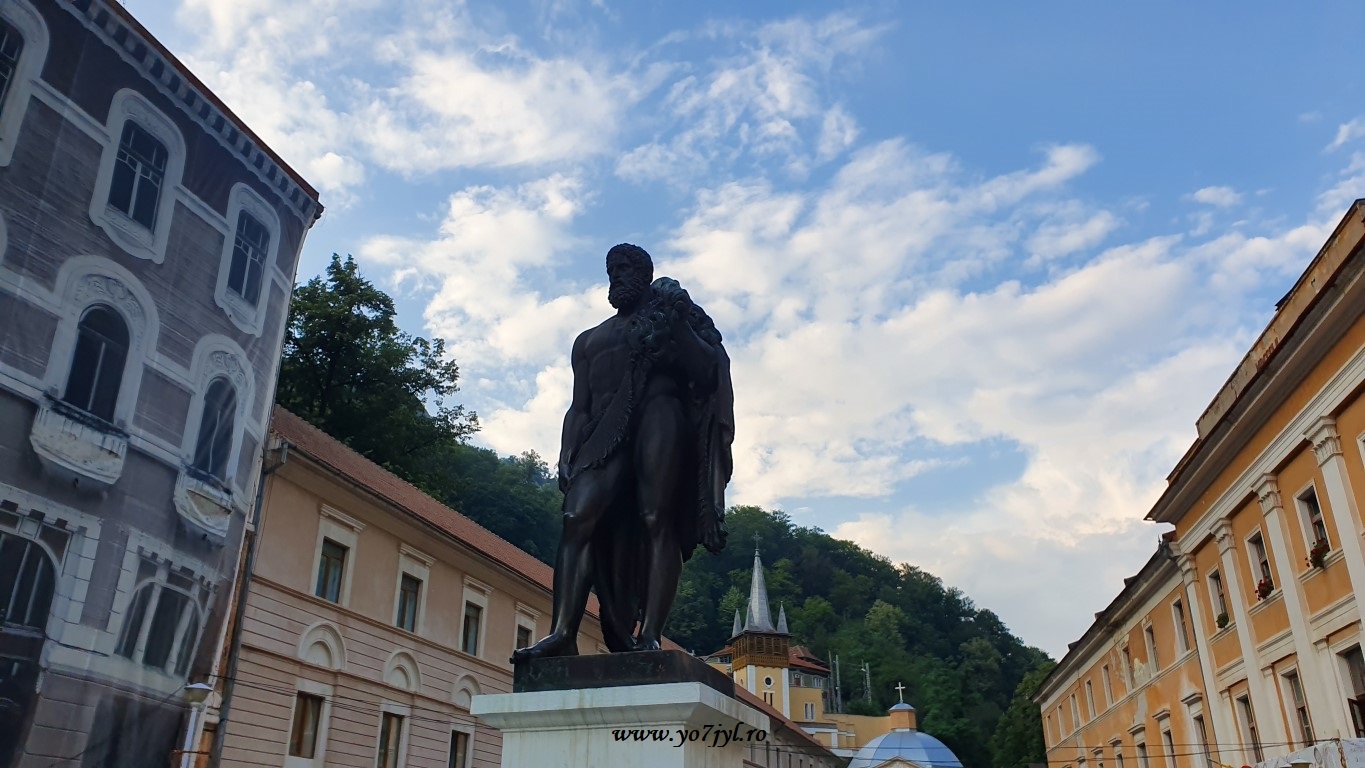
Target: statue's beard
[[626, 294]]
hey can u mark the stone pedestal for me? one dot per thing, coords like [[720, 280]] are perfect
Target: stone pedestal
[[662, 708]]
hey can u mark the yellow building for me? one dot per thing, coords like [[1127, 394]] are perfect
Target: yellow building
[[1239, 642]]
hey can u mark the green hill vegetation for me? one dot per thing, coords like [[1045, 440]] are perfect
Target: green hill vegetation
[[349, 370]]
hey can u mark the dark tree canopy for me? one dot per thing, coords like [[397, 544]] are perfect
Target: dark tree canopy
[[962, 668], [349, 370]]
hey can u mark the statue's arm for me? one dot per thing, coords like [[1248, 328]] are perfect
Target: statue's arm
[[579, 409], [698, 358]]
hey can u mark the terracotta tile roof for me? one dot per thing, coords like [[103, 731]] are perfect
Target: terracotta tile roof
[[336, 456]]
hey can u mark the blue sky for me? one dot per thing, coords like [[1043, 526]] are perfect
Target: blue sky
[[980, 266]]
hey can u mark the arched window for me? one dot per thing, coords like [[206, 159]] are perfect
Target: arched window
[[249, 250], [139, 172], [215, 429], [27, 581], [11, 45], [97, 364], [161, 630]]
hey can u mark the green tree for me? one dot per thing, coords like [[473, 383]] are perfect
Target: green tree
[[1018, 736], [351, 372]]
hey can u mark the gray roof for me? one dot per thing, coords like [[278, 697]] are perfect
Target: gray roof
[[907, 744], [760, 617]]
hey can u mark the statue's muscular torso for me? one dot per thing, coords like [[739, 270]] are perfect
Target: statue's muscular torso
[[606, 353]]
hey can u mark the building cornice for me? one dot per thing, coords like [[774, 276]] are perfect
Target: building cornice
[[123, 33]]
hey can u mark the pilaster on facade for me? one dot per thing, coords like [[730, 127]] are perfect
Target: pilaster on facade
[[1262, 700], [1222, 717], [1268, 493], [1326, 444]]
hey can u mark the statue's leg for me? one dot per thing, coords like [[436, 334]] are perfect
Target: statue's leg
[[584, 505], [661, 470]]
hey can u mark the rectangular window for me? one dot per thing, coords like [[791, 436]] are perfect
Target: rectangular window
[[139, 171], [1108, 687], [1149, 635], [1220, 601], [459, 750], [1202, 732], [1168, 744], [1312, 513], [11, 44], [469, 638], [390, 740], [303, 736], [810, 711], [1259, 560], [1127, 668], [1305, 724], [1075, 712], [249, 250], [409, 589], [1090, 698], [1118, 757], [1141, 749], [523, 637], [1182, 630], [1249, 726], [331, 567], [1355, 673]]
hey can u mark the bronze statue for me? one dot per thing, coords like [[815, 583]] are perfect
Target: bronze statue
[[645, 459]]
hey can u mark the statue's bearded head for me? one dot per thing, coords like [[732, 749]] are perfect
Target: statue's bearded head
[[631, 271]]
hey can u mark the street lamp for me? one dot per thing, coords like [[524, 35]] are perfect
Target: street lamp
[[195, 694]]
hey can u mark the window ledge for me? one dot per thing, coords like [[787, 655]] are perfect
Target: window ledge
[[1276, 594], [75, 446], [1327, 561], [204, 506]]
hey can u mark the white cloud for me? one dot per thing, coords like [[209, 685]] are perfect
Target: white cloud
[[1347, 133], [1219, 197]]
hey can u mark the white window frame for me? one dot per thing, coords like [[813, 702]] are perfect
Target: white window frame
[[468, 731], [159, 583], [527, 618], [1254, 560], [129, 235], [416, 564], [1149, 640], [1194, 711], [1305, 519], [83, 282], [1180, 621], [1218, 597], [1108, 686], [215, 357], [1291, 708], [404, 735], [319, 757], [478, 593], [25, 18], [345, 530], [1090, 699], [249, 319]]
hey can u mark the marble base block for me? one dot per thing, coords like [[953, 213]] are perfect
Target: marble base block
[[674, 724]]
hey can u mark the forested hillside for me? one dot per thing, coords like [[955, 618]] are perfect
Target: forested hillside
[[349, 370]]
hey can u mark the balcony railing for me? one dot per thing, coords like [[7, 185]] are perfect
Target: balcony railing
[[76, 445], [204, 504]]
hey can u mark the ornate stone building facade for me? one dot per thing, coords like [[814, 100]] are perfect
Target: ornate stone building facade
[[148, 242], [1240, 641]]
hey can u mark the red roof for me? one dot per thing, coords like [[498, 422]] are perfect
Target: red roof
[[335, 456], [801, 657]]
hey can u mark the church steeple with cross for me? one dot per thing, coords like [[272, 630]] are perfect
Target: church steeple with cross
[[759, 617]]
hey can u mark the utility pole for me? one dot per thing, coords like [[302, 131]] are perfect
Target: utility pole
[[838, 694]]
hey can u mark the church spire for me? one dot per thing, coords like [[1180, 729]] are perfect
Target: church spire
[[739, 625], [760, 618], [782, 621]]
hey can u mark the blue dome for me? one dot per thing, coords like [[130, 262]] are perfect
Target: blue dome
[[917, 747]]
